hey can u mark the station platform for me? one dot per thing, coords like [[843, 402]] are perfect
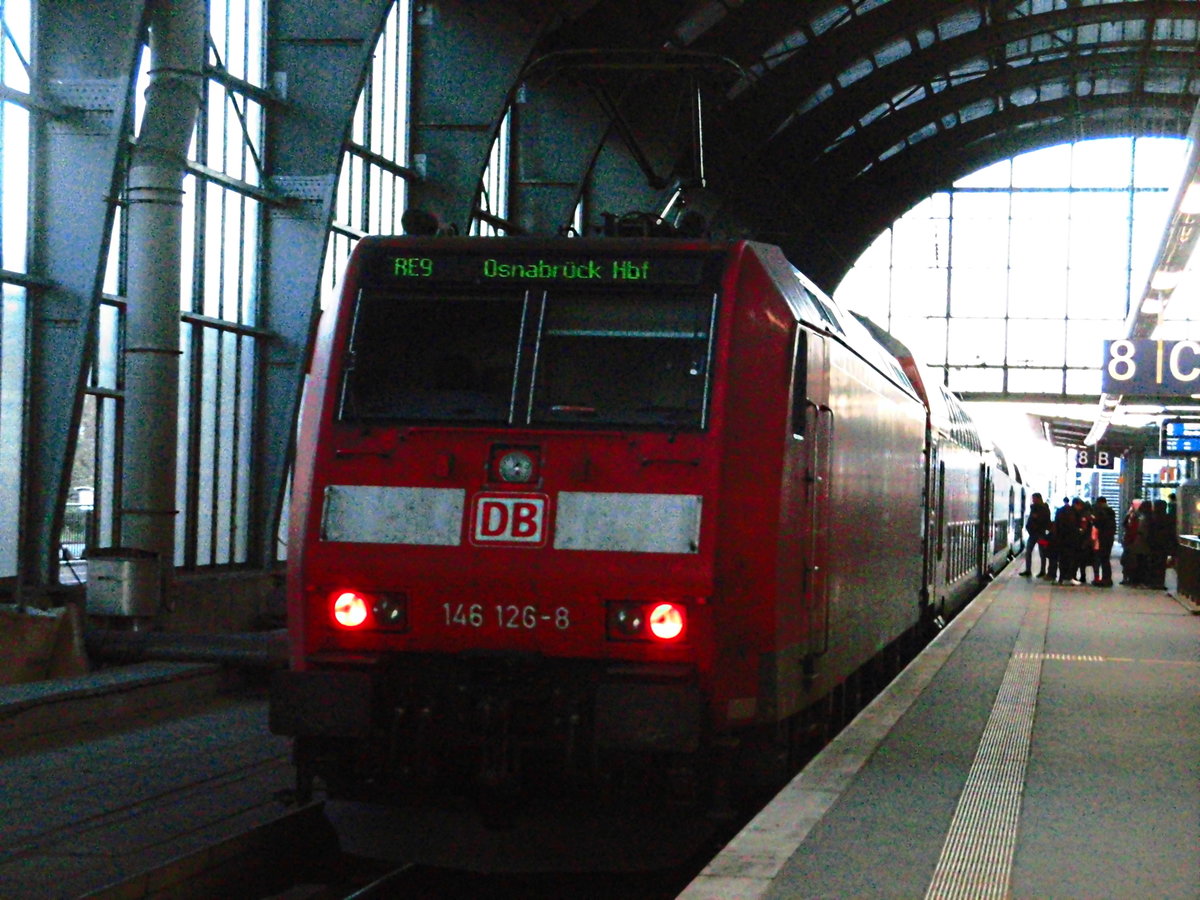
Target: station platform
[[1045, 745]]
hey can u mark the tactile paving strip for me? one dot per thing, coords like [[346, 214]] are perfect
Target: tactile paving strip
[[976, 859]]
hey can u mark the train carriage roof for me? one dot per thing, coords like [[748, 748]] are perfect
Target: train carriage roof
[[940, 414], [818, 310]]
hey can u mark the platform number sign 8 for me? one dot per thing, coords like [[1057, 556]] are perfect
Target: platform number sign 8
[[1094, 458]]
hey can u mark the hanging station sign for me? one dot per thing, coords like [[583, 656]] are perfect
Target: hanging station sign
[[1096, 458], [1151, 368]]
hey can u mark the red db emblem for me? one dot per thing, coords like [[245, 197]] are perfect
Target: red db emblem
[[515, 519]]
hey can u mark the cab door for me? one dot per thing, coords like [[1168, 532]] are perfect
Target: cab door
[[811, 407], [802, 613]]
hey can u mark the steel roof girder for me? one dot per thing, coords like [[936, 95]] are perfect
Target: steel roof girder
[[864, 147], [781, 92], [887, 191], [743, 33], [819, 60], [466, 59], [84, 55], [318, 54], [557, 130], [781, 88], [857, 150]]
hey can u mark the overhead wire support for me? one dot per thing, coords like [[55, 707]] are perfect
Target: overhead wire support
[[588, 66], [628, 138]]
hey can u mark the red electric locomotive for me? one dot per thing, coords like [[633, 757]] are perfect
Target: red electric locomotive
[[576, 501]]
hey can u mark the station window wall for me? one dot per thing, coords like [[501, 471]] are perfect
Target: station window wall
[[14, 287], [1010, 282], [372, 187], [493, 187], [219, 337]]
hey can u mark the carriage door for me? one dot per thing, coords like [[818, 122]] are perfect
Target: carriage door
[[811, 411], [986, 520]]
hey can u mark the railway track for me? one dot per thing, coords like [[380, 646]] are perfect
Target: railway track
[[297, 856]]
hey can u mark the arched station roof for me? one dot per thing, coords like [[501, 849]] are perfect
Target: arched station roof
[[825, 121]]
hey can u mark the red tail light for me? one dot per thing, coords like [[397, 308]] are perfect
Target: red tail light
[[350, 609], [666, 621], [357, 610], [662, 621]]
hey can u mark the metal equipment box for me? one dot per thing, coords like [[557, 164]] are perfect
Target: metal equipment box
[[123, 581]]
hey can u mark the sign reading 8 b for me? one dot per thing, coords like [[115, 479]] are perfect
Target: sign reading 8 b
[[1095, 458]]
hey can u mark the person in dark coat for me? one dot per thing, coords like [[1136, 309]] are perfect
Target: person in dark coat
[[1163, 544], [1037, 528], [1066, 541], [1104, 520], [1129, 569], [1085, 553], [1141, 574]]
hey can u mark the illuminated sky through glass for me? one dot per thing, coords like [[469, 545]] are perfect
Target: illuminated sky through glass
[[1014, 278]]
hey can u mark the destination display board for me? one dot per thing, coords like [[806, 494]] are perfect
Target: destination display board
[[394, 266], [1179, 437]]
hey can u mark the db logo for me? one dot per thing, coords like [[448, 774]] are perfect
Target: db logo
[[509, 519]]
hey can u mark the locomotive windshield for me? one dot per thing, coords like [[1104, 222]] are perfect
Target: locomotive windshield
[[623, 361], [539, 356], [433, 358]]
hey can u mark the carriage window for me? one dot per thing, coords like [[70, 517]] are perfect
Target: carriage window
[[433, 358], [624, 360], [800, 384]]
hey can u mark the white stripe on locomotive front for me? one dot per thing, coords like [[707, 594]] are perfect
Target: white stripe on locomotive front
[[370, 514], [632, 523], [623, 522]]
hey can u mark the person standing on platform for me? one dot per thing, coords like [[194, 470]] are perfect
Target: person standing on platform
[[1141, 546], [1066, 538], [1037, 527], [1129, 572], [1163, 545], [1105, 523], [1085, 553]]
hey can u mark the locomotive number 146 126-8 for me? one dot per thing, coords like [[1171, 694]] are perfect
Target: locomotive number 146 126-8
[[509, 615]]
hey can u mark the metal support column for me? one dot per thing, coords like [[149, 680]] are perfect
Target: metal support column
[[318, 53], [157, 165]]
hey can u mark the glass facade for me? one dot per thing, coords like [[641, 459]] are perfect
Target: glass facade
[[219, 338], [372, 188], [14, 201], [1010, 282], [493, 187]]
